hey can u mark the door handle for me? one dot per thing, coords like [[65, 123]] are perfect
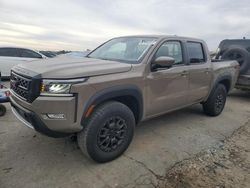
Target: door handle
[[184, 73]]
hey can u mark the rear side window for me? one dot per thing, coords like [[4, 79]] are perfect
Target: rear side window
[[9, 52], [195, 52], [29, 54]]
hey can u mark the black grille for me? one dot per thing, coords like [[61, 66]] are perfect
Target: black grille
[[26, 88]]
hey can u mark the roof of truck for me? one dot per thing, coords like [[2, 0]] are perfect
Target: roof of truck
[[163, 36]]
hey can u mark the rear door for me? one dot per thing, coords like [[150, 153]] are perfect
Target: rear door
[[200, 71]]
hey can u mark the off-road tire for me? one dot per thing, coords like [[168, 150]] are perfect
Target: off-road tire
[[2, 110], [95, 128], [239, 54], [216, 101]]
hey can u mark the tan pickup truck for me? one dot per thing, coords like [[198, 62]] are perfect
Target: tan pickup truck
[[122, 82]]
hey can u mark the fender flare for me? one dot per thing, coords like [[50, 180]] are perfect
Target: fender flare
[[222, 78], [114, 92], [218, 80]]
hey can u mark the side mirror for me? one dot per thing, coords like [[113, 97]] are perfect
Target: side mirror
[[163, 62]]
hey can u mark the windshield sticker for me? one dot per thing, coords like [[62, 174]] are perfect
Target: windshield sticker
[[147, 43]]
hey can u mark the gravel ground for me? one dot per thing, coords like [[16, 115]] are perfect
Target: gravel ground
[[225, 165]]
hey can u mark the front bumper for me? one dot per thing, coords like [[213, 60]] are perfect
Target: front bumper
[[32, 114], [31, 120]]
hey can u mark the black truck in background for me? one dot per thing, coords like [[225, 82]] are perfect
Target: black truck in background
[[237, 49]]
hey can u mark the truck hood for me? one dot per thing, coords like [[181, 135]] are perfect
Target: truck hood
[[68, 67]]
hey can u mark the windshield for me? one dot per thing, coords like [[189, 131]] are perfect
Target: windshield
[[127, 49]]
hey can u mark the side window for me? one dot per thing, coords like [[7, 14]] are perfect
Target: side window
[[171, 49], [195, 52], [29, 54], [9, 52]]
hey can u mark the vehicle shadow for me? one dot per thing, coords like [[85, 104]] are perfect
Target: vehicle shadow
[[169, 121], [185, 113]]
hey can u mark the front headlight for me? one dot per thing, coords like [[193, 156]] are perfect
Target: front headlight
[[58, 87]]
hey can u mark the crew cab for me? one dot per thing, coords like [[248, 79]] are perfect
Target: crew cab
[[126, 80]]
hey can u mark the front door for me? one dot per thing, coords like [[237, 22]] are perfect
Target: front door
[[167, 88]]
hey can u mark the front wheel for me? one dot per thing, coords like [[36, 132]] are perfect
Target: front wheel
[[216, 101], [108, 132]]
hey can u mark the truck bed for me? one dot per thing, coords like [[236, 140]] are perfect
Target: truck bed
[[224, 68]]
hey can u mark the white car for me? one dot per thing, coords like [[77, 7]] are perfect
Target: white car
[[11, 56]]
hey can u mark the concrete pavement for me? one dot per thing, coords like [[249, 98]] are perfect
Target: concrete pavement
[[29, 159]]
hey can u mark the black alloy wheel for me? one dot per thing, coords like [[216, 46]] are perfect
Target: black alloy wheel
[[112, 134]]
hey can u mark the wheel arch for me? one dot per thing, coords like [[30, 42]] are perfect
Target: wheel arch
[[226, 80], [129, 95]]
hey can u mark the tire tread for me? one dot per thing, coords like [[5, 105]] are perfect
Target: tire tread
[[97, 113], [208, 106]]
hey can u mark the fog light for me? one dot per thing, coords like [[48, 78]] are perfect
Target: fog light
[[55, 116]]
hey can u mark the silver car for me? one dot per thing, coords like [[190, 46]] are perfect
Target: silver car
[[11, 56]]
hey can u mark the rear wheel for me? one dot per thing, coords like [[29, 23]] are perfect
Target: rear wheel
[[216, 101], [108, 132]]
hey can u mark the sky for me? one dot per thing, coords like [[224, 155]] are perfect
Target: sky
[[85, 24]]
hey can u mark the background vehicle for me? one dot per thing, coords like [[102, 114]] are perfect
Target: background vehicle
[[124, 81], [4, 97], [239, 50], [48, 54], [76, 54], [9, 57]]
